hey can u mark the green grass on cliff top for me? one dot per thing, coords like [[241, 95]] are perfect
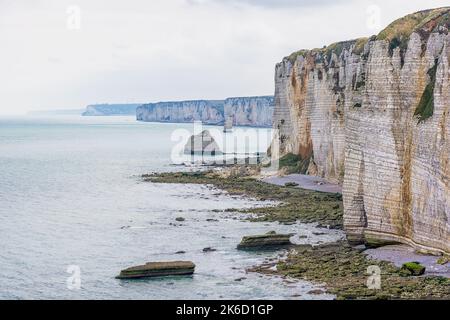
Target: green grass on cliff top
[[336, 47], [426, 21]]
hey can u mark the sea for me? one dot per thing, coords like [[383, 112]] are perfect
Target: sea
[[74, 211]]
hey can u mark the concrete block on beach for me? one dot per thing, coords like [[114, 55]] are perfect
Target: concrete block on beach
[[158, 269]]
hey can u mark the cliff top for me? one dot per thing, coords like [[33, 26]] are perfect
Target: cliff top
[[251, 97], [213, 103], [423, 22], [336, 47], [397, 33]]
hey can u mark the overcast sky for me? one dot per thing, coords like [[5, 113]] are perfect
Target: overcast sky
[[66, 54]]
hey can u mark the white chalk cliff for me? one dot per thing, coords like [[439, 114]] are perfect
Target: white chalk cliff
[[374, 115], [245, 111]]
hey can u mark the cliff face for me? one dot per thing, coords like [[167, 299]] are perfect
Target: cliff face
[[207, 111], [245, 111], [250, 111], [374, 114], [110, 109]]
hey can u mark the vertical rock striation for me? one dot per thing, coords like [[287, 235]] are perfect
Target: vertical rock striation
[[374, 115], [207, 111], [250, 111]]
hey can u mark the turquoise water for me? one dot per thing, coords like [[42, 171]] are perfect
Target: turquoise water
[[71, 195]]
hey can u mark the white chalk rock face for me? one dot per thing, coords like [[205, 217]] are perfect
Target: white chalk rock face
[[250, 111], [374, 114], [207, 111], [245, 111]]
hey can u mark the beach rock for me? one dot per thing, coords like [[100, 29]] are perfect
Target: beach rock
[[240, 279], [266, 241], [209, 249], [288, 223], [442, 260], [158, 269], [412, 268], [291, 184], [316, 292]]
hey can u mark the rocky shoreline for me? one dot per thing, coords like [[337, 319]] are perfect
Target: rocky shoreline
[[295, 204], [342, 268]]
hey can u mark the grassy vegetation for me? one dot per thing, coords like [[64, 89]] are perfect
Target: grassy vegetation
[[293, 56], [425, 108], [337, 48], [327, 51], [359, 45], [412, 268], [405, 26], [423, 22], [292, 163], [397, 33]]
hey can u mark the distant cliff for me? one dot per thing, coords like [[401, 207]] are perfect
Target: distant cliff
[[250, 111], [246, 111], [111, 109], [375, 114], [207, 111]]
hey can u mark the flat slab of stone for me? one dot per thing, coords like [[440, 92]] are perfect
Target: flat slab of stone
[[158, 269], [265, 241]]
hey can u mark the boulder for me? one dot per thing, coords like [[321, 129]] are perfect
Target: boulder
[[412, 268], [158, 269], [266, 241], [443, 260], [291, 184]]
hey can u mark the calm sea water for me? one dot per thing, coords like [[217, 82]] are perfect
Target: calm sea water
[[71, 195]]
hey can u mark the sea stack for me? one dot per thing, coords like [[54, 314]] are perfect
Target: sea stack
[[202, 143]]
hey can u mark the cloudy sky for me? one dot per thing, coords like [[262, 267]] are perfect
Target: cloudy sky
[[66, 54]]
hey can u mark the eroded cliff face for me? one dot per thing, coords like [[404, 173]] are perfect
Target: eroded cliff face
[[207, 111], [250, 111], [245, 111], [374, 115]]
